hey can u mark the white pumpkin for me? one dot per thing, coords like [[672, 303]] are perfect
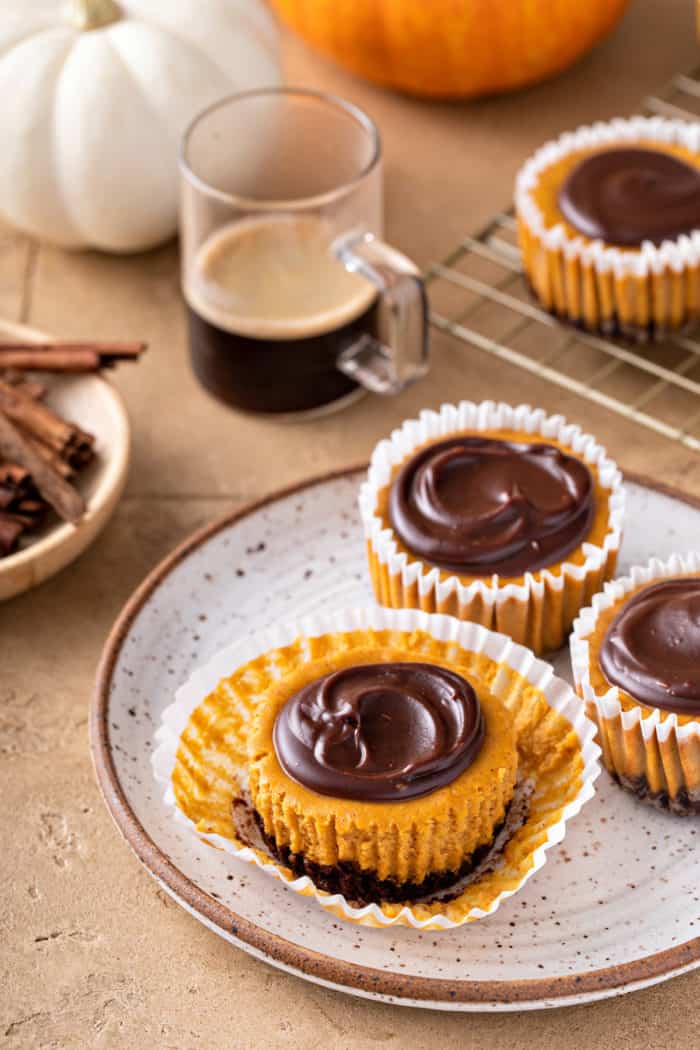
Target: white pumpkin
[[95, 95]]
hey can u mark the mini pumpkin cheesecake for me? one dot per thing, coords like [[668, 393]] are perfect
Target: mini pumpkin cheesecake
[[609, 226], [499, 515], [636, 660], [382, 781], [380, 752]]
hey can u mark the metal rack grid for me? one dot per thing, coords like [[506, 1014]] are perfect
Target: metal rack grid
[[479, 296]]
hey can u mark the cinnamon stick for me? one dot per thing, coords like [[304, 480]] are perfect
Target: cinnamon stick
[[31, 387], [10, 532], [9, 494], [67, 439], [29, 513], [13, 376], [124, 350], [34, 507], [61, 466], [68, 356], [54, 360], [13, 474], [66, 501], [15, 485], [27, 521]]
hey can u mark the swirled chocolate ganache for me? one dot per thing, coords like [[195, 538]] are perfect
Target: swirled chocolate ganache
[[626, 196], [481, 506], [651, 649], [380, 732]]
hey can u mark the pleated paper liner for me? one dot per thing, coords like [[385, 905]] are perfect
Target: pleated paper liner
[[537, 609], [654, 753], [201, 752], [635, 291]]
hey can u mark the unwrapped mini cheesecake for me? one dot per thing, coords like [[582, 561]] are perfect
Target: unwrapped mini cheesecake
[[398, 767]]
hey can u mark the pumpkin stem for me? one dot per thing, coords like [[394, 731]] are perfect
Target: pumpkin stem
[[92, 14]]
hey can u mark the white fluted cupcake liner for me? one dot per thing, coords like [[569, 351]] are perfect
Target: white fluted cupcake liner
[[654, 753], [537, 612], [520, 680], [638, 291]]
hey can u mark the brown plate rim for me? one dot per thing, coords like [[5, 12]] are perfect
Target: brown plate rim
[[351, 977]]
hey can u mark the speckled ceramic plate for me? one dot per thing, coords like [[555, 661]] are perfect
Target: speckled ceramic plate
[[615, 908]]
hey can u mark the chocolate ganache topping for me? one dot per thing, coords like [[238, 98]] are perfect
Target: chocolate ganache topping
[[652, 647], [627, 196], [380, 732], [480, 506]]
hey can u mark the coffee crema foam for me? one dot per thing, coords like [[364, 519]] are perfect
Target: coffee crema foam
[[275, 278]]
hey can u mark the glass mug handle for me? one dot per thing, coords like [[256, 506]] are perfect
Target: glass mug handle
[[386, 367]]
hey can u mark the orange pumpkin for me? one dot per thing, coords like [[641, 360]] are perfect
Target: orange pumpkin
[[452, 48]]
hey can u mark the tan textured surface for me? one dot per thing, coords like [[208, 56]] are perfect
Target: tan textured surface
[[92, 953]]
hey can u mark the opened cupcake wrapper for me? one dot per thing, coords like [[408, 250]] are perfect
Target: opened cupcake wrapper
[[539, 611], [603, 287], [655, 753], [545, 709]]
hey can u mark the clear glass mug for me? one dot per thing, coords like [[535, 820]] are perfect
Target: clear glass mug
[[295, 304]]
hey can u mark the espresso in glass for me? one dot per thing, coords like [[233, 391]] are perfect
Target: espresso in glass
[[294, 301], [270, 309]]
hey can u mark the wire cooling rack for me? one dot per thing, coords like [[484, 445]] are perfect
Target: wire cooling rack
[[479, 296]]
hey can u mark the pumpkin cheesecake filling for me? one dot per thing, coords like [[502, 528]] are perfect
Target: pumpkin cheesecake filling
[[380, 780]]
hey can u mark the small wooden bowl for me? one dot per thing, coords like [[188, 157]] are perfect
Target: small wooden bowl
[[95, 404]]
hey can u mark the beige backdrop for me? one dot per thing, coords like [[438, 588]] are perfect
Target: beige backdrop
[[93, 954]]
